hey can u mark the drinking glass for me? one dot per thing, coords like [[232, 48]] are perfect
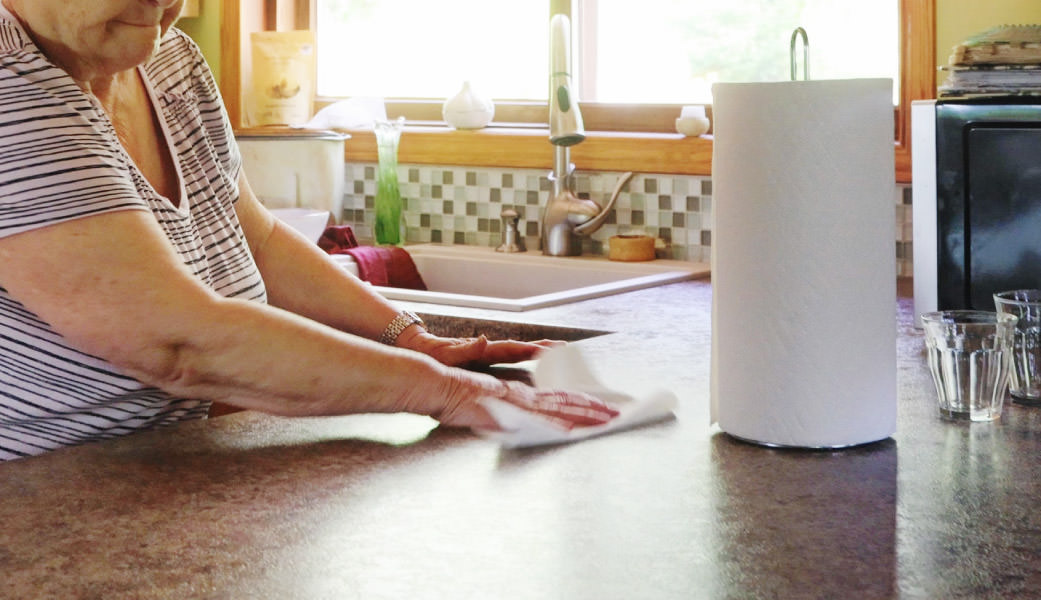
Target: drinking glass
[[1025, 377], [969, 354]]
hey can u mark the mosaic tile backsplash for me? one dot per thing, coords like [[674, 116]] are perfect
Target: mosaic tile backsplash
[[462, 205]]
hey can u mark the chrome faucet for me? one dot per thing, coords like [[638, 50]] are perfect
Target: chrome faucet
[[567, 216]]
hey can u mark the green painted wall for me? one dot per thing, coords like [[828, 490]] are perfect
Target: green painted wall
[[205, 30]]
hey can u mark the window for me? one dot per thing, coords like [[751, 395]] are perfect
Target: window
[[672, 51], [635, 136], [653, 51], [424, 49]]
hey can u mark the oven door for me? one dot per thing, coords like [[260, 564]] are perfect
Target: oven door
[[988, 202]]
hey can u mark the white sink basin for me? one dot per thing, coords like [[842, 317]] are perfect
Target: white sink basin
[[307, 221], [479, 277]]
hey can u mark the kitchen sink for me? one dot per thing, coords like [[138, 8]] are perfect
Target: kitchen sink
[[452, 326], [480, 277]]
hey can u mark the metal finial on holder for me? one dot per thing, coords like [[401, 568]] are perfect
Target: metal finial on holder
[[799, 31]]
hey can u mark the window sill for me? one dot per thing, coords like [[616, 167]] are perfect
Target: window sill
[[529, 148]]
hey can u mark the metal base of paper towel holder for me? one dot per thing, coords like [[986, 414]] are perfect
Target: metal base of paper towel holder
[[776, 446]]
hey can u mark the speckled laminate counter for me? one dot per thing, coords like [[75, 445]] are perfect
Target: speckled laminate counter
[[252, 506]]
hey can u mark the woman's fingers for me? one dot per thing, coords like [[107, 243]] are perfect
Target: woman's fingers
[[566, 409], [479, 351], [461, 405]]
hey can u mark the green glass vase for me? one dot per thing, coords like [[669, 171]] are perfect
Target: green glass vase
[[388, 196]]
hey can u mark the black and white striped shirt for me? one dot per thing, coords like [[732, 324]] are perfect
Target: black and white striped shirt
[[60, 160]]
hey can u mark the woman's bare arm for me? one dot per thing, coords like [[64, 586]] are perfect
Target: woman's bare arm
[[114, 287], [301, 278]]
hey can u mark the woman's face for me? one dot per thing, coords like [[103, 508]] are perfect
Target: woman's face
[[97, 38]]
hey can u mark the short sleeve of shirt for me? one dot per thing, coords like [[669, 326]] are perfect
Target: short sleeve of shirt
[[56, 160]]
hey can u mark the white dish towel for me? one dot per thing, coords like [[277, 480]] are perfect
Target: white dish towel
[[565, 368]]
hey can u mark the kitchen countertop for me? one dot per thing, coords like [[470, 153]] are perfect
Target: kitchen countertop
[[388, 506]]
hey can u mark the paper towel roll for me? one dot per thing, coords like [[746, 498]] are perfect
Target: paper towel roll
[[803, 271]]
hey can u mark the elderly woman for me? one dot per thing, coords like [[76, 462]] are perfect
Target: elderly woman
[[140, 279]]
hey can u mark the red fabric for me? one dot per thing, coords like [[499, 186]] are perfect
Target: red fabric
[[379, 265], [337, 238], [401, 270], [386, 266], [371, 264]]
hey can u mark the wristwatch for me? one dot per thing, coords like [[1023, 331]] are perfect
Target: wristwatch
[[401, 322]]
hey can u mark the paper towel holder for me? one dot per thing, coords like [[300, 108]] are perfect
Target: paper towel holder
[[820, 397], [800, 32]]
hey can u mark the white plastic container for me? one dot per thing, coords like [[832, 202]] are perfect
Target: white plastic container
[[296, 168]]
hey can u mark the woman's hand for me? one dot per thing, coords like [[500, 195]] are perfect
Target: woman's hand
[[459, 405], [471, 352], [567, 410]]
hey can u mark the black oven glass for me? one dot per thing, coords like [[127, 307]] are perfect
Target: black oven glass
[[988, 201]]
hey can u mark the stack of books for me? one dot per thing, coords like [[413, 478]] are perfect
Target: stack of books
[[1002, 61]]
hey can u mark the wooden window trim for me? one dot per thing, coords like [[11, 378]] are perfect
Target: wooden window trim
[[619, 137]]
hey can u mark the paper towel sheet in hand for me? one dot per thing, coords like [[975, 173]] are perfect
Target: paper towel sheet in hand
[[565, 368]]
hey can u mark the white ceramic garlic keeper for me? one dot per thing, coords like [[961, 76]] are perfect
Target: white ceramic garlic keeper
[[467, 109]]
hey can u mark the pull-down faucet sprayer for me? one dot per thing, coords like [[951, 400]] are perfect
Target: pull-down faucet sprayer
[[565, 120], [567, 216]]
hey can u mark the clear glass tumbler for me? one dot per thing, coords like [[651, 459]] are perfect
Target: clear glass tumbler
[[969, 355], [1025, 378]]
